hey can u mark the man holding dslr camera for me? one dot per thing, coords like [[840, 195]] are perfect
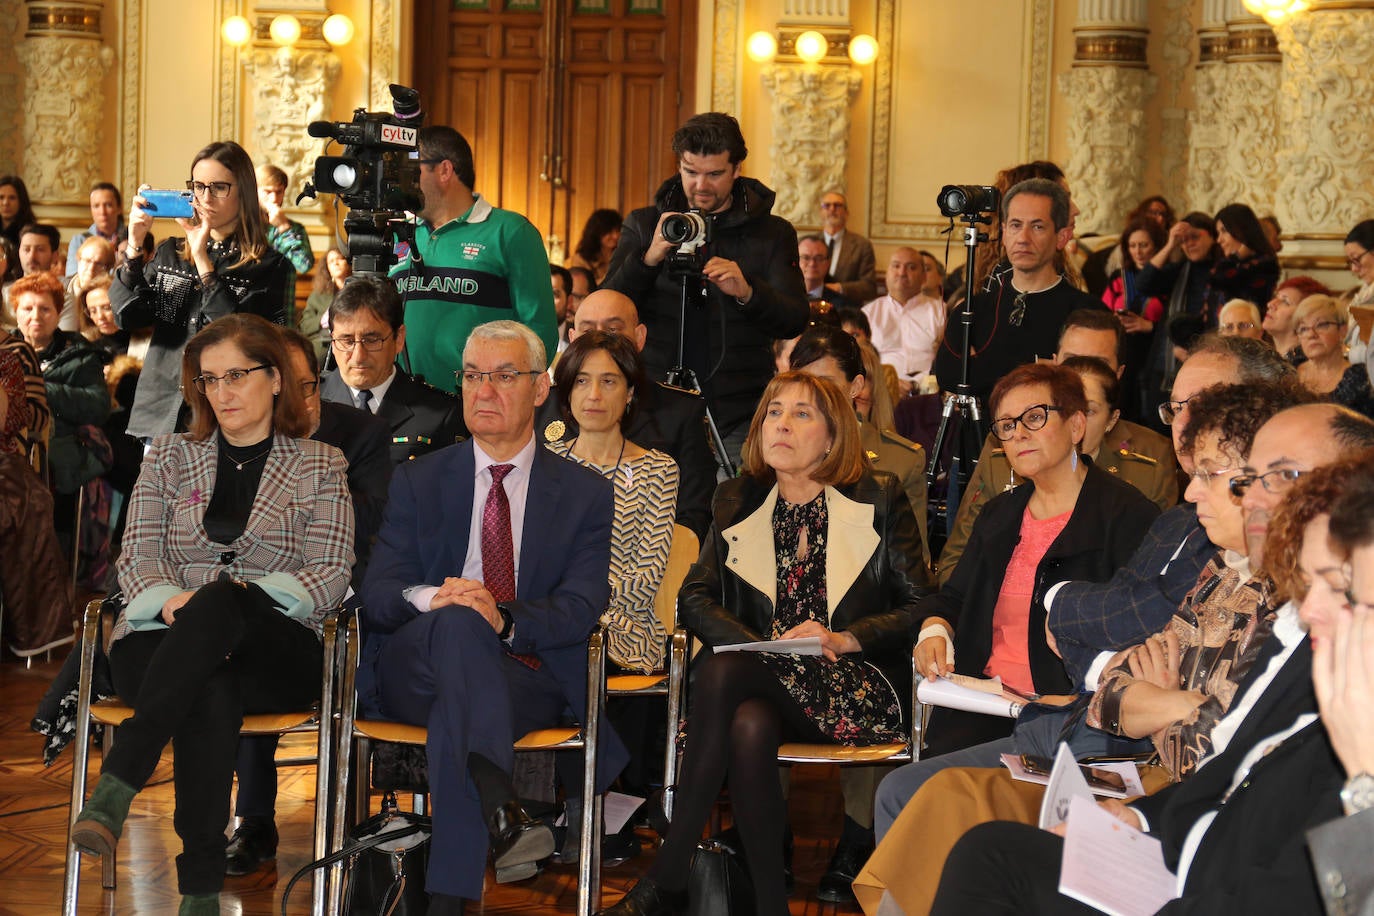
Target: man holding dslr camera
[[744, 288]]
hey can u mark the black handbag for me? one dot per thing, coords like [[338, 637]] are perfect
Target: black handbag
[[717, 883], [385, 860]]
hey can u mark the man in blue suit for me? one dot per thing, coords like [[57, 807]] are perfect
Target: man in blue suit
[[488, 576]]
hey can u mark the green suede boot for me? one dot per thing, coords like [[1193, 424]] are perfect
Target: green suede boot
[[101, 821], [199, 905]]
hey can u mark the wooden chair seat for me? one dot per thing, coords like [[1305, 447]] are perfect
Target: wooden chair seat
[[796, 752], [637, 683], [112, 712]]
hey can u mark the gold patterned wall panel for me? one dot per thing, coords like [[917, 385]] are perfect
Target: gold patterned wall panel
[[962, 90]]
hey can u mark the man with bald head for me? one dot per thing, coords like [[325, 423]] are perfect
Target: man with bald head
[[906, 324], [672, 420]]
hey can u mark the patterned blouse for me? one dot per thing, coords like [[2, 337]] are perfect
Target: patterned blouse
[[1221, 626], [645, 506]]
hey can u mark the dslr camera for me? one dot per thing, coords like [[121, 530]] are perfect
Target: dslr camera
[[967, 200], [689, 231]]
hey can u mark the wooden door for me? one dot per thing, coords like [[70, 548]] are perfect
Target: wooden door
[[570, 105]]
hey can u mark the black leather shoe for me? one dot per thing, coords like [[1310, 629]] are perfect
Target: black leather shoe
[[852, 851], [254, 842], [648, 899], [518, 842], [616, 848]]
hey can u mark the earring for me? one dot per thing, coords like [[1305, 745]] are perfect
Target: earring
[[1073, 460]]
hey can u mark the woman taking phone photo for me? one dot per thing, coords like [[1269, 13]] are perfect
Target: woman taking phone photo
[[223, 266]]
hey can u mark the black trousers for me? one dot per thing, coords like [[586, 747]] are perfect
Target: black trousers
[[1004, 868], [230, 652]]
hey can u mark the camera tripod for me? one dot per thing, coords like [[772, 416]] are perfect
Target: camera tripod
[[962, 413], [681, 377]]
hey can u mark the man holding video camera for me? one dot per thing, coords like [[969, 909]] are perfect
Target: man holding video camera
[[710, 232]]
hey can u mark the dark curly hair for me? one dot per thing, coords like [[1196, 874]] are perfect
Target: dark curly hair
[[1234, 413], [1352, 519], [1323, 491]]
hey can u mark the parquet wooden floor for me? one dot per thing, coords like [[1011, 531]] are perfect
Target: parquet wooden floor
[[34, 814]]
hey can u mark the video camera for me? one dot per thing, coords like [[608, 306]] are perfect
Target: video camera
[[689, 232], [378, 177]]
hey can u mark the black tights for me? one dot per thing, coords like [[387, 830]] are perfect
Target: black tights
[[741, 714]]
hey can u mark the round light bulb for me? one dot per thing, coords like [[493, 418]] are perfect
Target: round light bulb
[[863, 49], [236, 31], [811, 46], [338, 30], [762, 47], [285, 30]]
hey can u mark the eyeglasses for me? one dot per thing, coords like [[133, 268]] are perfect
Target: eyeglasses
[[813, 258], [1207, 478], [1032, 418], [1355, 261], [1277, 481], [371, 342], [1169, 411], [229, 380], [1235, 327], [216, 189], [1320, 327], [501, 378], [1018, 311], [309, 387], [833, 205]]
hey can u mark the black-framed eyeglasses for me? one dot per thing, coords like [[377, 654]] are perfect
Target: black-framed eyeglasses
[[371, 342], [1032, 418], [230, 379], [1277, 481], [501, 378], [216, 189], [1170, 410], [1355, 261], [309, 387]]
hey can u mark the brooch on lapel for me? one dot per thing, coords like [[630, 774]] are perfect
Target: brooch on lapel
[[194, 499], [554, 431]]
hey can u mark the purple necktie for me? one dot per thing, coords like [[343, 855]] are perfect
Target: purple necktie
[[498, 552]]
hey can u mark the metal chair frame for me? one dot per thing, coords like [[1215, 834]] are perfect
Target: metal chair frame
[[111, 715], [359, 733]]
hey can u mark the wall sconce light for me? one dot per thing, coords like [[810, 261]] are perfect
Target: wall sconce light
[[761, 47], [811, 46], [285, 30], [1275, 11], [863, 49], [338, 30], [236, 31]]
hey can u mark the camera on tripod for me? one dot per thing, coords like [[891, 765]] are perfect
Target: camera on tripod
[[967, 200], [689, 232], [378, 175]]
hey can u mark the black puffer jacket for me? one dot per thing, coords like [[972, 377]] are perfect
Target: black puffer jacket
[[720, 607], [728, 345]]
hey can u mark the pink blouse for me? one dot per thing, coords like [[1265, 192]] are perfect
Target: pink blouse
[[1010, 658]]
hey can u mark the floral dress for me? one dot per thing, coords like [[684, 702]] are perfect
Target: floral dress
[[849, 700]]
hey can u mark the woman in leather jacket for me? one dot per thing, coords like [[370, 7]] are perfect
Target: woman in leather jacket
[[809, 543]]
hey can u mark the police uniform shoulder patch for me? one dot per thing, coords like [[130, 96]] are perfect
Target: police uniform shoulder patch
[[1127, 455], [554, 431], [892, 437]]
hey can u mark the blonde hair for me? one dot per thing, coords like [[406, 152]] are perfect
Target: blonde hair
[[1320, 303]]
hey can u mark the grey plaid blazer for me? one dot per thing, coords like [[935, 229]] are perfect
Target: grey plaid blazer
[[297, 545]]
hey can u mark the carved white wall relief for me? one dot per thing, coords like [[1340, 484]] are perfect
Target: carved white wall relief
[[810, 115], [1105, 169], [64, 114], [725, 58], [1325, 170], [292, 89], [1175, 42], [1211, 183], [382, 55], [1250, 94], [11, 27]]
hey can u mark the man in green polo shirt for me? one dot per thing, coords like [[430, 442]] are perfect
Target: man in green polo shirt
[[471, 263]]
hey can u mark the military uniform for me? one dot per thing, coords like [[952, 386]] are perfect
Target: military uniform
[[907, 460], [1137, 455]]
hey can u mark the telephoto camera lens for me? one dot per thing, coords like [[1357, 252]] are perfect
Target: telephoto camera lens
[[678, 228], [966, 199]]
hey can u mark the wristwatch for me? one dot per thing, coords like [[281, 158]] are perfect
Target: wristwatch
[[507, 621], [1358, 793]]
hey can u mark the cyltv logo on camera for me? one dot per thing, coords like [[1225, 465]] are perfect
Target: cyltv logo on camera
[[397, 135]]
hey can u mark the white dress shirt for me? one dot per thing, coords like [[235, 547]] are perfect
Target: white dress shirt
[[378, 392], [907, 334]]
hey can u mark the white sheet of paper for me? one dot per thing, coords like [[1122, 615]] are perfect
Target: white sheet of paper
[[1110, 865], [1127, 770], [615, 811], [806, 645], [944, 692], [1066, 783]]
